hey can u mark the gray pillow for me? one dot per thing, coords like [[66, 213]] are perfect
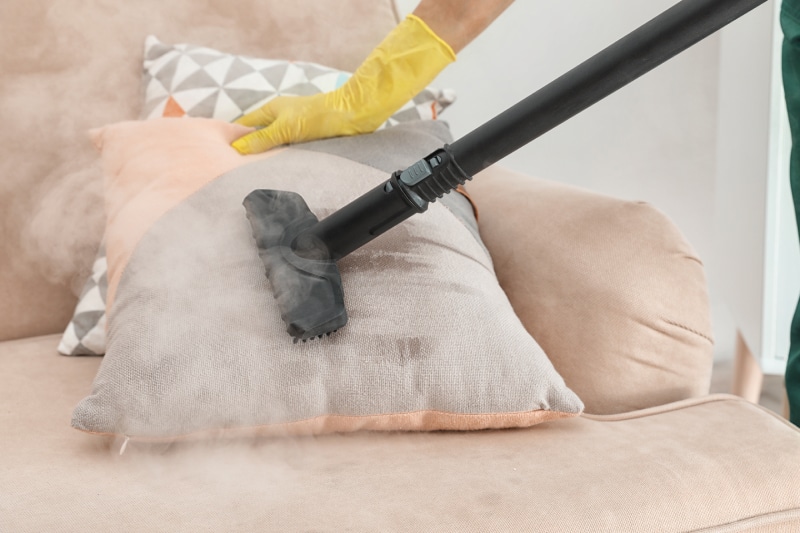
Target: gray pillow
[[196, 345]]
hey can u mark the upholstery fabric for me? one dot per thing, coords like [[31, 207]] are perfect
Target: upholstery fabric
[[610, 288], [73, 65], [717, 463], [195, 340]]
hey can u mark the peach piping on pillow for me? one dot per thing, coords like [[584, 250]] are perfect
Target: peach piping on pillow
[[418, 421]]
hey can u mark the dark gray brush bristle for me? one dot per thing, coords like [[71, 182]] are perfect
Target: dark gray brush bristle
[[308, 292]]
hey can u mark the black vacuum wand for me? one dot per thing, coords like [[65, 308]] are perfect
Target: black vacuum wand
[[300, 252]]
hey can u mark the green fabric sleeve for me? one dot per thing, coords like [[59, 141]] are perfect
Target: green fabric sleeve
[[790, 24]]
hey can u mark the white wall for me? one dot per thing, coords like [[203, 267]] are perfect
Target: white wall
[[756, 235], [654, 140]]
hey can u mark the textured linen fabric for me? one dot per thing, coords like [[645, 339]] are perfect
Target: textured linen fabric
[[609, 288], [77, 65], [195, 340], [717, 464]]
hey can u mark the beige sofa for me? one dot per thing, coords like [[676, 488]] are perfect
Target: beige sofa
[[609, 289]]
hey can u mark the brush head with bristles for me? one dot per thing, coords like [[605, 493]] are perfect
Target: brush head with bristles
[[305, 282]]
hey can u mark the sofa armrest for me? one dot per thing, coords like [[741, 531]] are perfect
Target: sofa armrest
[[609, 288]]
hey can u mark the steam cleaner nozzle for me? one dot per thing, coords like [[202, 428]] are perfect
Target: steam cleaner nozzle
[[300, 252], [307, 287]]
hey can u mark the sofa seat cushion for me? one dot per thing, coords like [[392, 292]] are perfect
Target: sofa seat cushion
[[717, 462]]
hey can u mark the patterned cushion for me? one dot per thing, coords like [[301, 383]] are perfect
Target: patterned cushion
[[188, 80], [202, 82], [85, 334]]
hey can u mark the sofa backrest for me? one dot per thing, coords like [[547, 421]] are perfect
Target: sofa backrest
[[71, 65]]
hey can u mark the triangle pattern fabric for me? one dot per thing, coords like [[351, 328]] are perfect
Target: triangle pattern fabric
[[204, 58], [261, 64], [153, 48], [164, 68], [229, 109], [246, 100], [205, 107], [218, 70], [155, 109], [200, 81], [179, 80], [156, 89], [326, 81], [252, 81], [190, 98], [313, 71], [85, 322], [69, 341], [90, 301], [275, 74], [237, 69], [85, 334], [173, 108], [185, 67], [294, 76], [200, 78]]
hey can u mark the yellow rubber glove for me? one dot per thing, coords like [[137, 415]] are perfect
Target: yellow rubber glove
[[407, 60]]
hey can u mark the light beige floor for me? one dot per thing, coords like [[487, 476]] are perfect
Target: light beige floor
[[771, 394]]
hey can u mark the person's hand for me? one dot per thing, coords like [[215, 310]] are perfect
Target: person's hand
[[292, 119], [407, 60]]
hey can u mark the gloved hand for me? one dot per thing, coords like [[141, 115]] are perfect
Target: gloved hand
[[407, 60]]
